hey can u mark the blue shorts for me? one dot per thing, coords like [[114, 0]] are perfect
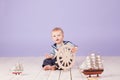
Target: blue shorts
[[49, 61]]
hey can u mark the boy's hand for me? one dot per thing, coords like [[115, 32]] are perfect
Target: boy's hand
[[48, 56], [74, 49]]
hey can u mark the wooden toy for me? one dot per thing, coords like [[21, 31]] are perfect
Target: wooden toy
[[65, 59], [17, 69], [92, 65]]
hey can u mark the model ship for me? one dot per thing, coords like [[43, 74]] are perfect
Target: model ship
[[17, 69], [92, 65]]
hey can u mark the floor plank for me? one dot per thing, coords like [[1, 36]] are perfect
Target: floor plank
[[75, 72], [77, 75], [42, 75], [65, 75], [54, 75], [34, 71]]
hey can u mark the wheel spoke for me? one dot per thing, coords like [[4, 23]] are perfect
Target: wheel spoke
[[61, 59], [68, 64]]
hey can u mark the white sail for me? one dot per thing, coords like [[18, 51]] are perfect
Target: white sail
[[92, 62]]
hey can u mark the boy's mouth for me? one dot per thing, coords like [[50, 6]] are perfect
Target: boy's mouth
[[57, 39]]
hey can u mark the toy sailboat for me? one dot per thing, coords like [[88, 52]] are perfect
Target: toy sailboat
[[92, 65], [17, 69]]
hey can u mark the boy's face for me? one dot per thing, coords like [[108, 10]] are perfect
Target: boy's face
[[57, 36]]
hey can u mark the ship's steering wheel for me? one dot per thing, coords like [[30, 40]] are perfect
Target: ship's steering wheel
[[65, 58]]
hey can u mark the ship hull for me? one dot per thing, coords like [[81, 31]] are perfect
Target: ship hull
[[93, 72]]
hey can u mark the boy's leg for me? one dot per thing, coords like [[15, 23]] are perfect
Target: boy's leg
[[53, 67], [54, 64], [47, 67], [47, 63]]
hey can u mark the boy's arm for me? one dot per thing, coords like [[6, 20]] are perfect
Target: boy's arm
[[52, 54], [75, 47], [49, 56]]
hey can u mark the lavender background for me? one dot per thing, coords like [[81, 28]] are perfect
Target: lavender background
[[93, 25]]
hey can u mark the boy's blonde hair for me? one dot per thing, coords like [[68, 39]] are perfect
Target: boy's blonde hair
[[58, 29]]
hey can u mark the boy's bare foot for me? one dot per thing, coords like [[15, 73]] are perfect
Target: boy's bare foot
[[53, 67], [47, 67]]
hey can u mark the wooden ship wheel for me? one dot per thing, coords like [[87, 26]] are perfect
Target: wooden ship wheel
[[65, 58]]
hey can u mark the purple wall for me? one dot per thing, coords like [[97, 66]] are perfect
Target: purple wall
[[25, 25]]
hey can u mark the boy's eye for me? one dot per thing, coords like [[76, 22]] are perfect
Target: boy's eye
[[54, 36], [58, 35]]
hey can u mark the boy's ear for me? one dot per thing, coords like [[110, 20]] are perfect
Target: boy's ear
[[63, 35]]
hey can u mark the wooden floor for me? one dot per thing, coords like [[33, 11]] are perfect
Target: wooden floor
[[34, 71]]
